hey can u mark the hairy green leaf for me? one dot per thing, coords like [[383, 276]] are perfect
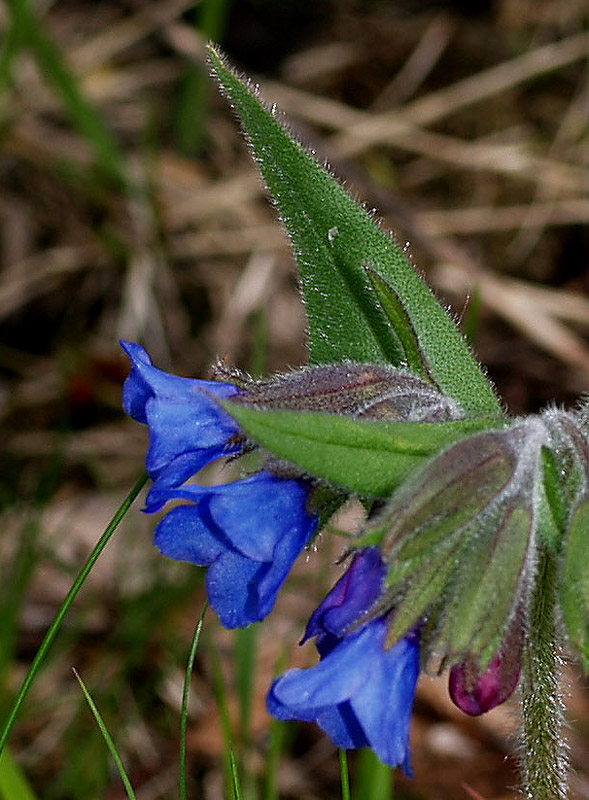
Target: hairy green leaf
[[364, 456], [456, 539], [427, 582], [334, 240]]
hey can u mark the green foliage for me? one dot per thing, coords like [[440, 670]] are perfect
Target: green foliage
[[13, 782], [184, 710], [51, 634], [191, 106], [235, 783], [29, 32], [456, 539], [364, 456], [552, 510], [334, 241], [574, 583], [492, 566], [245, 649], [232, 787], [401, 324]]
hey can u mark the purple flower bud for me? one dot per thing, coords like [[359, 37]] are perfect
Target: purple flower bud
[[348, 600], [475, 692], [361, 691]]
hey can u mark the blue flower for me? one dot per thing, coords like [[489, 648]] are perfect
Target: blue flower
[[361, 692], [187, 428], [247, 533]]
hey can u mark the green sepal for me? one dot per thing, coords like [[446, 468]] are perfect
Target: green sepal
[[443, 497], [487, 587], [424, 583], [456, 539], [574, 581], [367, 457], [333, 240], [552, 504]]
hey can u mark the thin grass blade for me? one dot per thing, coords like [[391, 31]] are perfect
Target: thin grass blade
[[226, 730], [245, 648], [108, 740], [185, 694], [235, 785], [192, 103], [84, 116], [65, 607]]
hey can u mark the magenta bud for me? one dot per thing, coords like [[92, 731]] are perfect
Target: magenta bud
[[474, 692]]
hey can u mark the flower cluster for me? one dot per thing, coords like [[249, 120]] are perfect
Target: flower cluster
[[247, 533], [380, 619]]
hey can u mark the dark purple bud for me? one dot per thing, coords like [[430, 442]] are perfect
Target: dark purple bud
[[350, 598], [475, 692]]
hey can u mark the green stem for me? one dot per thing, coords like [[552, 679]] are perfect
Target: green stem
[[65, 607], [544, 761], [185, 694], [344, 774]]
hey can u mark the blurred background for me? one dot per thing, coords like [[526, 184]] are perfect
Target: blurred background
[[129, 208]]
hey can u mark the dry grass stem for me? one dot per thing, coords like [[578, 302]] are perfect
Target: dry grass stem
[[474, 89]]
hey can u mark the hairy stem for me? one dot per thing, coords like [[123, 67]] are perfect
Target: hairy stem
[[544, 757]]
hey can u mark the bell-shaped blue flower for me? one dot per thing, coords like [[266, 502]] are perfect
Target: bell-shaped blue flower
[[247, 533], [361, 692], [187, 428]]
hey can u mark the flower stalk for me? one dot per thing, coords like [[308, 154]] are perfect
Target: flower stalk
[[544, 756]]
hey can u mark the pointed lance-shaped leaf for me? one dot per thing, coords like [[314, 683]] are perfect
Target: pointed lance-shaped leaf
[[333, 239], [369, 457]]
